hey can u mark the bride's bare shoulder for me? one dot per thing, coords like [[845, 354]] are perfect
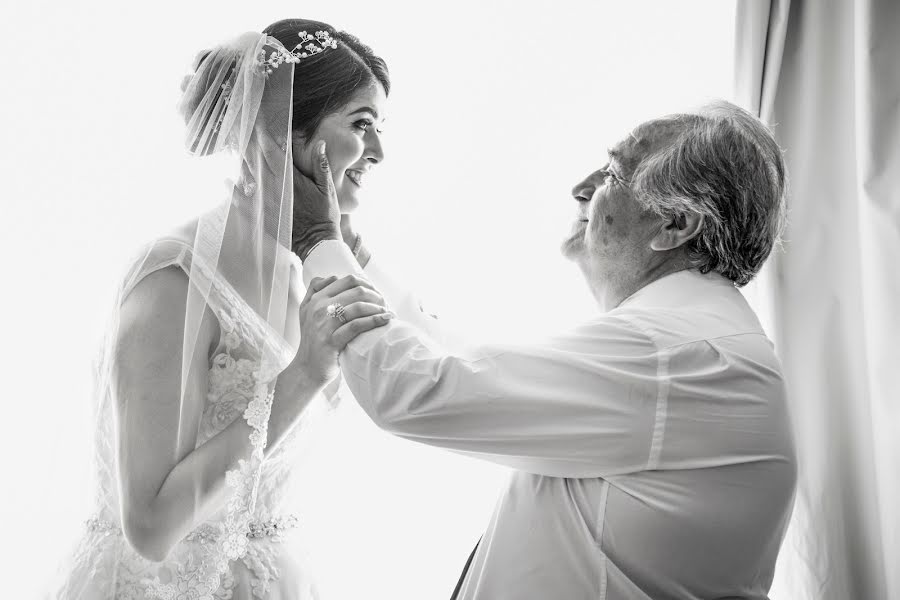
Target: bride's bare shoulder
[[158, 272], [152, 317], [159, 297]]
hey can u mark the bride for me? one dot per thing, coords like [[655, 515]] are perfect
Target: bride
[[204, 386]]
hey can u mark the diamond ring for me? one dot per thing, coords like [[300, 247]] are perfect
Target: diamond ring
[[336, 311]]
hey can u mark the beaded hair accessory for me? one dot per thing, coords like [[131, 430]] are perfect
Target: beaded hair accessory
[[309, 45]]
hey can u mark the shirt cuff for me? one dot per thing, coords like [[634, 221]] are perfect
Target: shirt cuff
[[331, 257]]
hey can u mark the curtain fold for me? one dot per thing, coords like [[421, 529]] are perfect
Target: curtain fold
[[825, 75]]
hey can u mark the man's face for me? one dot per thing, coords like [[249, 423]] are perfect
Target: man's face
[[611, 235]]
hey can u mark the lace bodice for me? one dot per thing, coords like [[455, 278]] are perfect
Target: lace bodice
[[241, 365]]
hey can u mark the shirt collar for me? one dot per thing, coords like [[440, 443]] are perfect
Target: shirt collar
[[680, 288]]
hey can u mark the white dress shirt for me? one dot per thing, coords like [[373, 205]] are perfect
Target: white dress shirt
[[651, 445]]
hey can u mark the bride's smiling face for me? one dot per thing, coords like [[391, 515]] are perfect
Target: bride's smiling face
[[353, 144]]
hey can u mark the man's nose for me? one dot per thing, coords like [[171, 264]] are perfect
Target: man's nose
[[584, 190]]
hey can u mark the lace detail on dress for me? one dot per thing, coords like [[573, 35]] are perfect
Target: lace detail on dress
[[241, 325], [188, 584], [192, 584], [241, 379], [232, 383]]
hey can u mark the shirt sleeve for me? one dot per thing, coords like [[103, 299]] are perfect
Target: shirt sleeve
[[582, 404], [579, 405], [334, 258]]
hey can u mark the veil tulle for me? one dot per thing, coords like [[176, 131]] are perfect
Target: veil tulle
[[240, 255], [235, 103]]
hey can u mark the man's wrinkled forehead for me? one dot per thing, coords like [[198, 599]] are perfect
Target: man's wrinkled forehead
[[647, 137], [627, 153]]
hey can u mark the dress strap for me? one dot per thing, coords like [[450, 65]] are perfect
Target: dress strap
[[156, 255], [224, 301]]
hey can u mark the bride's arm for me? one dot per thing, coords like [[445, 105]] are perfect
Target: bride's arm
[[168, 486]]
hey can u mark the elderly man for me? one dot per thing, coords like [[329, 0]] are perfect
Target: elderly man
[[651, 445]]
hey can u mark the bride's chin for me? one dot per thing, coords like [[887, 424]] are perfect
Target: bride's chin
[[347, 204]]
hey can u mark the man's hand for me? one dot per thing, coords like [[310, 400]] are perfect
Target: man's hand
[[347, 231], [316, 213]]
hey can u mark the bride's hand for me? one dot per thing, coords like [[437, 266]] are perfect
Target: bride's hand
[[323, 336]]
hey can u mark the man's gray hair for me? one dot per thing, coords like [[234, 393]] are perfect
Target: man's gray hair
[[725, 165]]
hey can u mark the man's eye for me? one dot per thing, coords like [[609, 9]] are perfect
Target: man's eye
[[610, 177]]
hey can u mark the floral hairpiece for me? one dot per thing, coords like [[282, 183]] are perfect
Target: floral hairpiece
[[308, 46]]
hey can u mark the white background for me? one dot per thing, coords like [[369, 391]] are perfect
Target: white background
[[496, 111]]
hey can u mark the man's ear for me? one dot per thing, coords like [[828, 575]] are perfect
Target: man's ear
[[677, 231]]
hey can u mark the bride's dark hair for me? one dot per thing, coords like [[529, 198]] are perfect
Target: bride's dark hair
[[326, 82]]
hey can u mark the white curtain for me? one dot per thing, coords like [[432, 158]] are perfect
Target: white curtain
[[826, 76]]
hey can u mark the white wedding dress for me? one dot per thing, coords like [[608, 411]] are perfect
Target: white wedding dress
[[104, 566], [237, 257]]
